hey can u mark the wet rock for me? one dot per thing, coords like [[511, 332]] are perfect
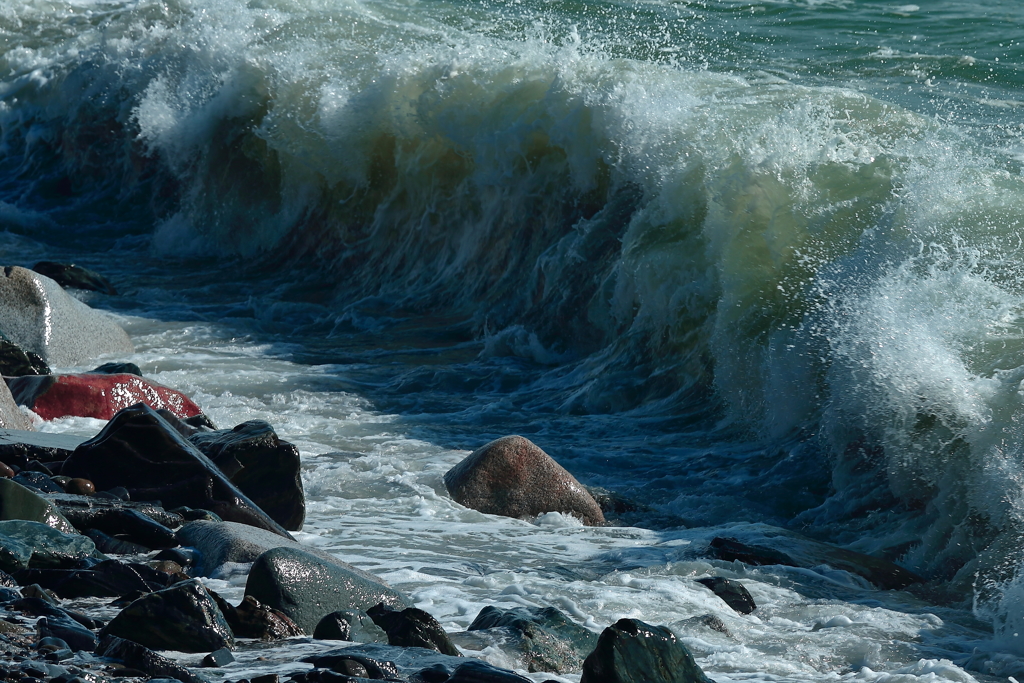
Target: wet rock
[[42, 318], [733, 593], [306, 587], [37, 545], [80, 487], [707, 621], [349, 625], [39, 607], [344, 661], [412, 627], [438, 673], [183, 617], [761, 544], [139, 450], [252, 619], [218, 658], [95, 395], [19, 447], [135, 527], [76, 277], [475, 671], [139, 657], [11, 416], [262, 466], [109, 579], [15, 361], [632, 651], [542, 639], [117, 369], [37, 481], [89, 513], [71, 632], [513, 477], [220, 542]]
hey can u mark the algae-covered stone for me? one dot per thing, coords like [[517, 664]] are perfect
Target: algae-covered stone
[[17, 502], [632, 651], [183, 617], [307, 587], [48, 547]]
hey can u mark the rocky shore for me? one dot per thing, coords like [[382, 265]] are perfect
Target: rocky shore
[[106, 542]]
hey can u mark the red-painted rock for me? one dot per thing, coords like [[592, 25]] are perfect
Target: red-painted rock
[[512, 476], [95, 395]]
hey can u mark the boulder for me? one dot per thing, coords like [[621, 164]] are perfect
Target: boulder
[[140, 451], [17, 502], [139, 657], [541, 639], [221, 542], [183, 618], [42, 318], [262, 466], [11, 416], [349, 625], [761, 544], [412, 627], [252, 619], [95, 395], [306, 586], [632, 651], [47, 548], [734, 593], [76, 277], [513, 477]]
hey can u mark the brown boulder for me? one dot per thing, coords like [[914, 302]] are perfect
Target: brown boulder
[[95, 395], [512, 476]]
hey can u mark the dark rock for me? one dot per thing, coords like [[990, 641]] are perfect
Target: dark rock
[[50, 643], [266, 678], [183, 617], [412, 627], [708, 621], [118, 493], [76, 277], [733, 593], [262, 466], [92, 512], [766, 545], [340, 661], [139, 657], [36, 545], [95, 395], [38, 607], [475, 671], [252, 619], [218, 658], [438, 673], [631, 650], [6, 472], [79, 487], [349, 625], [15, 361], [34, 590], [512, 476], [220, 542], [117, 369], [42, 318], [542, 639], [38, 481], [139, 450], [74, 634], [106, 579], [135, 527], [190, 515], [306, 586]]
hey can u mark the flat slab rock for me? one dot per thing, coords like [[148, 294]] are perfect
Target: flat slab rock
[[514, 477], [39, 316]]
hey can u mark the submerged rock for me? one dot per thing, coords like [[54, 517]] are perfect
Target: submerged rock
[[761, 544], [307, 587], [95, 395], [184, 618], [513, 477], [76, 277], [543, 639], [632, 651], [145, 660], [220, 542], [140, 451], [42, 318], [262, 466], [733, 593]]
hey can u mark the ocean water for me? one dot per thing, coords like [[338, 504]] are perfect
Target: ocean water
[[750, 262]]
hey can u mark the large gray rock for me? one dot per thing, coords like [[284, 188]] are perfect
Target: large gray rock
[[183, 618], [307, 587], [632, 651], [221, 542], [11, 416], [512, 476], [39, 316], [18, 502]]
